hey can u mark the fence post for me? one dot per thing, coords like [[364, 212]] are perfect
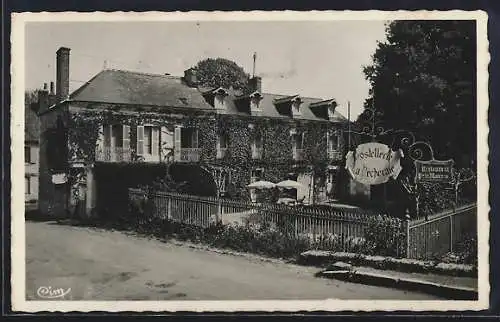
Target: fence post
[[451, 232], [407, 221], [218, 216], [169, 207]]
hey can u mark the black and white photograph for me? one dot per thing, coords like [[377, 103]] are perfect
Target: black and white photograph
[[227, 161]]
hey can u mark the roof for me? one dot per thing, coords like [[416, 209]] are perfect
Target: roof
[[31, 124], [127, 87]]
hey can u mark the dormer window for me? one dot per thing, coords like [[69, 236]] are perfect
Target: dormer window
[[323, 109], [249, 103], [296, 106], [289, 105], [217, 98], [255, 99]]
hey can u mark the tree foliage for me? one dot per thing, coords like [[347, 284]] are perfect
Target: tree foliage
[[31, 96], [423, 80], [221, 72]]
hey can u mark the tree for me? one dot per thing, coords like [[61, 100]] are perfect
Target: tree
[[423, 80], [221, 72], [31, 96]]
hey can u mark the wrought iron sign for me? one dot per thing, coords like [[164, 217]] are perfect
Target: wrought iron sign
[[428, 170]]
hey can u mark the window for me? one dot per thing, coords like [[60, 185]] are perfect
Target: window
[[151, 140], [333, 142], [298, 141], [257, 147], [222, 145], [27, 154], [27, 185], [148, 138], [257, 174], [189, 138], [117, 136]]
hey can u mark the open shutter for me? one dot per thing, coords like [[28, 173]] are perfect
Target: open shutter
[[177, 143], [100, 138], [126, 137], [126, 142], [195, 138], [140, 140], [328, 142], [218, 146], [155, 141]]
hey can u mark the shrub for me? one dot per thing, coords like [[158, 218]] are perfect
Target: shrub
[[384, 236]]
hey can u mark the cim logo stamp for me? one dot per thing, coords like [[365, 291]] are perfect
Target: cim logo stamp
[[50, 293]]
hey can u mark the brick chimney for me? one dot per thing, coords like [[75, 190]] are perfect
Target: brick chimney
[[255, 84], [62, 73], [190, 77]]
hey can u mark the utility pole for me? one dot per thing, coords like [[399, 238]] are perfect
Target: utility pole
[[349, 125]]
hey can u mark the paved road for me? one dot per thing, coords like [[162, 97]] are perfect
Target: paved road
[[106, 265]]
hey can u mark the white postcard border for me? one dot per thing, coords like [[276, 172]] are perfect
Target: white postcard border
[[18, 275]]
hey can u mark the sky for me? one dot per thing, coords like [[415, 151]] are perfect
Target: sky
[[321, 59]]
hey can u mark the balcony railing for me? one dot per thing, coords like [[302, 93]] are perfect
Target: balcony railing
[[190, 155], [115, 154], [299, 154], [221, 153], [334, 155], [257, 153]]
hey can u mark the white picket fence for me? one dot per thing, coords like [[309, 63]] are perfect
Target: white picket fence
[[328, 226]]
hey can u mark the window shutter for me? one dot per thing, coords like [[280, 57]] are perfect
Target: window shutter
[[100, 138], [126, 137], [155, 141], [219, 146], [33, 156], [140, 140], [195, 138], [177, 143]]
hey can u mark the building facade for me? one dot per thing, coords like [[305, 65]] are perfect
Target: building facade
[[135, 121], [31, 152]]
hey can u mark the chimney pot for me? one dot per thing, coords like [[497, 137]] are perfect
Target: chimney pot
[[51, 88], [44, 86], [62, 73], [190, 77]]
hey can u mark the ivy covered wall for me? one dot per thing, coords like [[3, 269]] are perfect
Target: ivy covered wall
[[277, 159]]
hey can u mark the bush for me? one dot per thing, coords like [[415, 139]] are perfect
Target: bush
[[466, 250], [384, 236]]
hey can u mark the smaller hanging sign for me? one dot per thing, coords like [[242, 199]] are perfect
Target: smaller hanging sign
[[434, 171]]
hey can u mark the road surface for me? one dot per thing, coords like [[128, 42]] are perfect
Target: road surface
[[109, 265]]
